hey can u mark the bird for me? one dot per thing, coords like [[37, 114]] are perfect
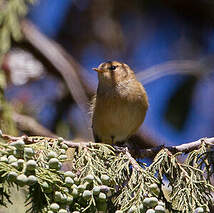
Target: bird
[[120, 104]]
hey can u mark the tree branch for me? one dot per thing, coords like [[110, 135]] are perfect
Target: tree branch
[[26, 123], [184, 148], [171, 68], [56, 55]]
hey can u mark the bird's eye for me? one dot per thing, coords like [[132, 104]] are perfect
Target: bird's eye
[[112, 67]]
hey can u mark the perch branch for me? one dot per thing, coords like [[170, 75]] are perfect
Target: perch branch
[[184, 148]]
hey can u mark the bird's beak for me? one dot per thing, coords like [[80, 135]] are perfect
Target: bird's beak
[[97, 70]]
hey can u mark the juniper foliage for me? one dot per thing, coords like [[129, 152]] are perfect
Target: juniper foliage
[[96, 177]]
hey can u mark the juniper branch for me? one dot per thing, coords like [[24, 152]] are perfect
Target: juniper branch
[[184, 148]]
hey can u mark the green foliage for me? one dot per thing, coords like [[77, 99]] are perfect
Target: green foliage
[[190, 187], [101, 179], [6, 123], [10, 13]]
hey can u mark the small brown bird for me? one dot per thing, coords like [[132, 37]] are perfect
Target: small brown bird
[[120, 104]]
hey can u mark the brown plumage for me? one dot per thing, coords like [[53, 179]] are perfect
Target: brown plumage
[[120, 104]]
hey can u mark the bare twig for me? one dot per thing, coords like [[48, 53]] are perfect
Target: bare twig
[[188, 147], [184, 148], [170, 68], [53, 52], [26, 123], [133, 162]]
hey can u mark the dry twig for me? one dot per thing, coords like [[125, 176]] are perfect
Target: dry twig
[[170, 68], [54, 53], [27, 123]]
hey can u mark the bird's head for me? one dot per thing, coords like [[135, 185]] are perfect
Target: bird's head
[[113, 72]]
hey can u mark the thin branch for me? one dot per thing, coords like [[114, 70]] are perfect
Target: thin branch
[[188, 147], [27, 123], [133, 162], [184, 148], [55, 54], [170, 68]]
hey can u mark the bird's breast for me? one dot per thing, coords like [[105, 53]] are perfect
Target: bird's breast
[[116, 118]]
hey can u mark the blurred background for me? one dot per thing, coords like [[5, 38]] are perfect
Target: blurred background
[[169, 44]]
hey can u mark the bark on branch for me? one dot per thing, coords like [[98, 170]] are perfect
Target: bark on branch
[[184, 148]]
